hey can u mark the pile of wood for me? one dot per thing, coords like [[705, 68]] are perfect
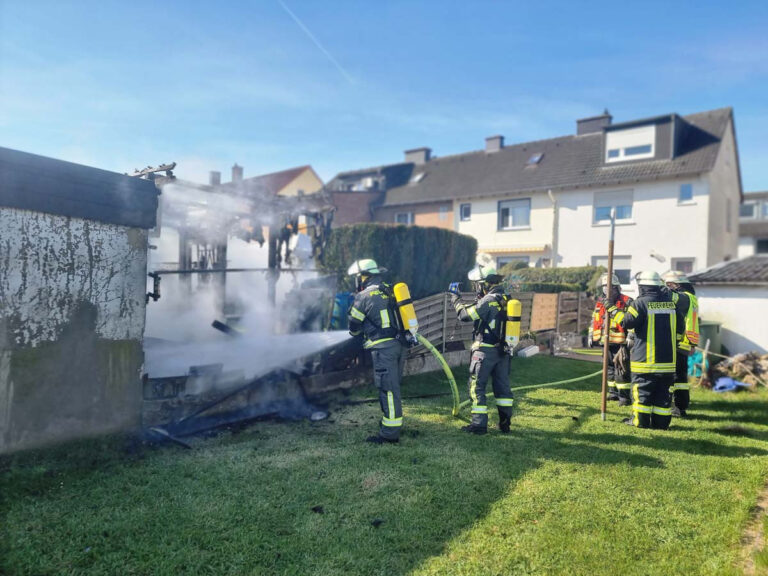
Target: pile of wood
[[750, 368]]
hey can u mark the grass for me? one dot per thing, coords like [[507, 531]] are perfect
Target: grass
[[563, 494]]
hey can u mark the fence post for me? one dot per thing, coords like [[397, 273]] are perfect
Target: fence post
[[557, 312], [578, 315], [445, 318]]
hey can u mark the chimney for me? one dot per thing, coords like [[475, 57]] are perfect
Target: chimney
[[593, 124], [418, 155], [494, 143], [237, 173], [214, 178]]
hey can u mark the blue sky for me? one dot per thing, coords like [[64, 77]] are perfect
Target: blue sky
[[342, 85]]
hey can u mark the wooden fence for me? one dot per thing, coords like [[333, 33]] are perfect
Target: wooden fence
[[564, 312]]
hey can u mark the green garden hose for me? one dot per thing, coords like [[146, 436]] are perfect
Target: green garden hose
[[447, 369], [546, 384]]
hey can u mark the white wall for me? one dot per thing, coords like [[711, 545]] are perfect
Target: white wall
[[659, 223], [742, 310], [746, 246], [483, 225], [725, 198]]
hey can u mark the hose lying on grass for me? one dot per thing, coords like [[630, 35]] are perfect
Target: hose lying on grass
[[447, 369], [545, 385]]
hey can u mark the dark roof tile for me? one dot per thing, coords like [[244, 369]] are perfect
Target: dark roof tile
[[750, 270]]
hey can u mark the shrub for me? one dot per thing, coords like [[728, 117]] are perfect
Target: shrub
[[427, 259], [573, 279]]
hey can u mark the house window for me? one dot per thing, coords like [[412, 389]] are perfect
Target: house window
[[404, 218], [686, 193], [622, 266], [684, 265], [765, 210], [630, 144], [502, 261], [748, 210], [443, 212], [514, 214], [605, 201], [761, 246], [535, 159], [465, 212]]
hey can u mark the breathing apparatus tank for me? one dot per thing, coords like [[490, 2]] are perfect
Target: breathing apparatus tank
[[512, 328], [405, 308]]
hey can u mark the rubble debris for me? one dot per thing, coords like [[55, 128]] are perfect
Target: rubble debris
[[750, 368]]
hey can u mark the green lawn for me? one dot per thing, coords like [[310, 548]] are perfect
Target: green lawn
[[563, 494]]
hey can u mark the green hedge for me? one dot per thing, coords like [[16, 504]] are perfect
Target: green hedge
[[427, 259], [573, 279]]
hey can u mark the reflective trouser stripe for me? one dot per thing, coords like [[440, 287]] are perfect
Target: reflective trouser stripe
[[391, 404], [356, 314], [505, 401], [384, 318], [392, 422], [374, 342], [649, 368], [611, 384], [681, 386], [642, 408], [623, 385], [479, 410], [661, 411]]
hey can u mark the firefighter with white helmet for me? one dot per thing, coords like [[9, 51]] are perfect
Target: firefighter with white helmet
[[619, 371], [373, 317], [490, 358], [688, 305], [656, 320]]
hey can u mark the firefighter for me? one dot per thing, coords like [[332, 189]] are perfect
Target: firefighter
[[489, 356], [688, 305], [656, 320], [373, 317], [619, 374]]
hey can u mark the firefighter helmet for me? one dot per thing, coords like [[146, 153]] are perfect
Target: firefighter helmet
[[675, 277], [649, 278], [366, 267], [482, 273], [614, 280]]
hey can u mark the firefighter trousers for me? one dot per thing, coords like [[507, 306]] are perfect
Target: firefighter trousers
[[388, 362], [489, 362], [652, 400], [619, 381], [682, 389]]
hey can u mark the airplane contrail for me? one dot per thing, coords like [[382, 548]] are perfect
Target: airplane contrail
[[311, 36]]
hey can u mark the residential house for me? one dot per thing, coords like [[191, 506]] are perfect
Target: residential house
[[735, 294], [672, 181], [291, 182], [753, 224]]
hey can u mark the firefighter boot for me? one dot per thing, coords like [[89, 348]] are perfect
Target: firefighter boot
[[504, 422], [473, 429]]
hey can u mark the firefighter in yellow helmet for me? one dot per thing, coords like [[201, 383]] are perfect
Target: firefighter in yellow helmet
[[688, 304], [619, 372], [656, 321], [373, 317], [489, 359]]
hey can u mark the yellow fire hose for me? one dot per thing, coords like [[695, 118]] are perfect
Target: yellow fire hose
[[447, 369], [532, 386]]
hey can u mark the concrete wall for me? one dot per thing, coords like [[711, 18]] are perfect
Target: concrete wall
[[724, 193], [659, 223], [71, 325], [742, 310]]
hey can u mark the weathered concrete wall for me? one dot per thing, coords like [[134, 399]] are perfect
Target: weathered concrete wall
[[71, 325]]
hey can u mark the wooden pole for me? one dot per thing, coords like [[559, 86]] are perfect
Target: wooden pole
[[607, 320]]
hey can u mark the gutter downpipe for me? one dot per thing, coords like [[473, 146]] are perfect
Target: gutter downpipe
[[554, 227]]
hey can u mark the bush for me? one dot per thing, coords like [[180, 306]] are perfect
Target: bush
[[427, 259], [573, 279]]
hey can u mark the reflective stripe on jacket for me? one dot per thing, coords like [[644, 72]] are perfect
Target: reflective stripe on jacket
[[373, 315], [488, 314]]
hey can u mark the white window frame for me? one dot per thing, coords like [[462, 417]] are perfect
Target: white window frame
[[755, 210], [513, 202], [468, 206], [622, 266], [676, 262], [408, 218], [502, 261], [619, 142], [614, 199], [680, 199]]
